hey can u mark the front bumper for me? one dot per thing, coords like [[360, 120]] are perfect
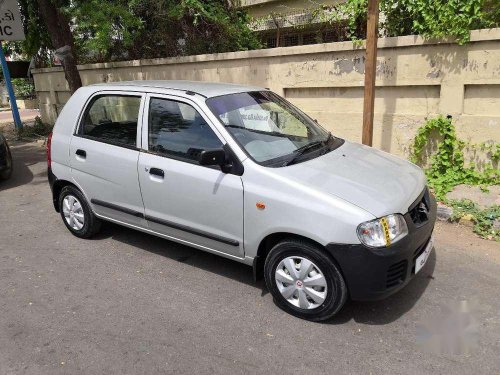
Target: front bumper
[[373, 274]]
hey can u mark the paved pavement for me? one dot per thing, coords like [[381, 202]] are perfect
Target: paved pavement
[[25, 114], [130, 303]]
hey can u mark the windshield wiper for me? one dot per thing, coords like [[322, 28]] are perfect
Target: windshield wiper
[[302, 150], [234, 126]]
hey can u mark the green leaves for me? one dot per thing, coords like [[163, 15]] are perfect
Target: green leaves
[[435, 18], [444, 165], [430, 18], [483, 219], [212, 26], [23, 88], [107, 30], [101, 27], [110, 30]]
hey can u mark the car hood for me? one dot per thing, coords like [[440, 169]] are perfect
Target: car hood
[[373, 180]]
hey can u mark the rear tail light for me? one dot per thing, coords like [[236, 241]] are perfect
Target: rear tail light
[[49, 145]]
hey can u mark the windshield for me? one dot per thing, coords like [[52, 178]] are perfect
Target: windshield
[[271, 130]]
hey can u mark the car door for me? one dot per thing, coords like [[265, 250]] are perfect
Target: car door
[[195, 204], [104, 154]]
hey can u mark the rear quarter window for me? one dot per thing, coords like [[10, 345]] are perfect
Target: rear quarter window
[[112, 119]]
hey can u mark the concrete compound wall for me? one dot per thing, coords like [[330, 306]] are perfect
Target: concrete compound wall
[[416, 78]]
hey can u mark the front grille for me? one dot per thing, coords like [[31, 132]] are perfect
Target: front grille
[[396, 274], [419, 210]]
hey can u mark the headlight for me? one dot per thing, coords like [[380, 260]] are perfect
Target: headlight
[[382, 232]]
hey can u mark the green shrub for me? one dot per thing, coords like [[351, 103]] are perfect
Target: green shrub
[[23, 88], [444, 163], [483, 219]]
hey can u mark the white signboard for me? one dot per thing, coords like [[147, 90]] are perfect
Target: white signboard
[[11, 25]]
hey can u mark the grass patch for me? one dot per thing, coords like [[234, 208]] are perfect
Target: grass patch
[[483, 219]]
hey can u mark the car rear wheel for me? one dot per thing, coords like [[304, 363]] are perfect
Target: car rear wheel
[[76, 213], [304, 281]]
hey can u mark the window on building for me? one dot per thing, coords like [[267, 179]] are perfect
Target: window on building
[[271, 42], [290, 40], [335, 33], [309, 38], [328, 36]]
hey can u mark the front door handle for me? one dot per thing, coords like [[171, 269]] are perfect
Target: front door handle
[[157, 172], [81, 153]]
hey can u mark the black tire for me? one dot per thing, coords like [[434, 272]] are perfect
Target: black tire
[[336, 292], [91, 224], [6, 173]]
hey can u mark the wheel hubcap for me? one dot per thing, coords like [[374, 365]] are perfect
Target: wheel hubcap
[[73, 212], [301, 282]]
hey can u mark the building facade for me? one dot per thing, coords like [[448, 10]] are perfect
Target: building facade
[[286, 23]]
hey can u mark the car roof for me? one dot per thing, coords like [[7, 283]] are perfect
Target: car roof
[[207, 89]]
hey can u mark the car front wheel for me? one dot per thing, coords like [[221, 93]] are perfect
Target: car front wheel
[[304, 281]]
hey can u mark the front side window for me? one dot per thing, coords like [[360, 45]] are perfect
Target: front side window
[[112, 119], [271, 130], [176, 129]]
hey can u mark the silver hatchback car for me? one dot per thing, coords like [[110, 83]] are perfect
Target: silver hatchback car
[[240, 172]]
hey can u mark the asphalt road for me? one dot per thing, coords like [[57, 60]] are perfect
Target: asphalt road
[[130, 303]]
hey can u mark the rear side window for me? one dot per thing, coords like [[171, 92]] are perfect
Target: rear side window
[[112, 119], [176, 129]]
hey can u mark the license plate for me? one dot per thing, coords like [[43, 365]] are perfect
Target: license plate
[[422, 258]]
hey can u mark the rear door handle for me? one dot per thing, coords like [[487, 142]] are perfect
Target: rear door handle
[[81, 153], [157, 172]]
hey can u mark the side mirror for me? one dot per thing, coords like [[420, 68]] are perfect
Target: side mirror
[[213, 157]]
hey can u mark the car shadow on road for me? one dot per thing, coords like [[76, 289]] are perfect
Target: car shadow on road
[[371, 313], [181, 253], [24, 155]]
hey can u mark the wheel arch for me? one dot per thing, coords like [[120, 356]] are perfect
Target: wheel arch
[[56, 190], [271, 240]]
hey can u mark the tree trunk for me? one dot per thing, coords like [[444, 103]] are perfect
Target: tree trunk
[[62, 39]]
